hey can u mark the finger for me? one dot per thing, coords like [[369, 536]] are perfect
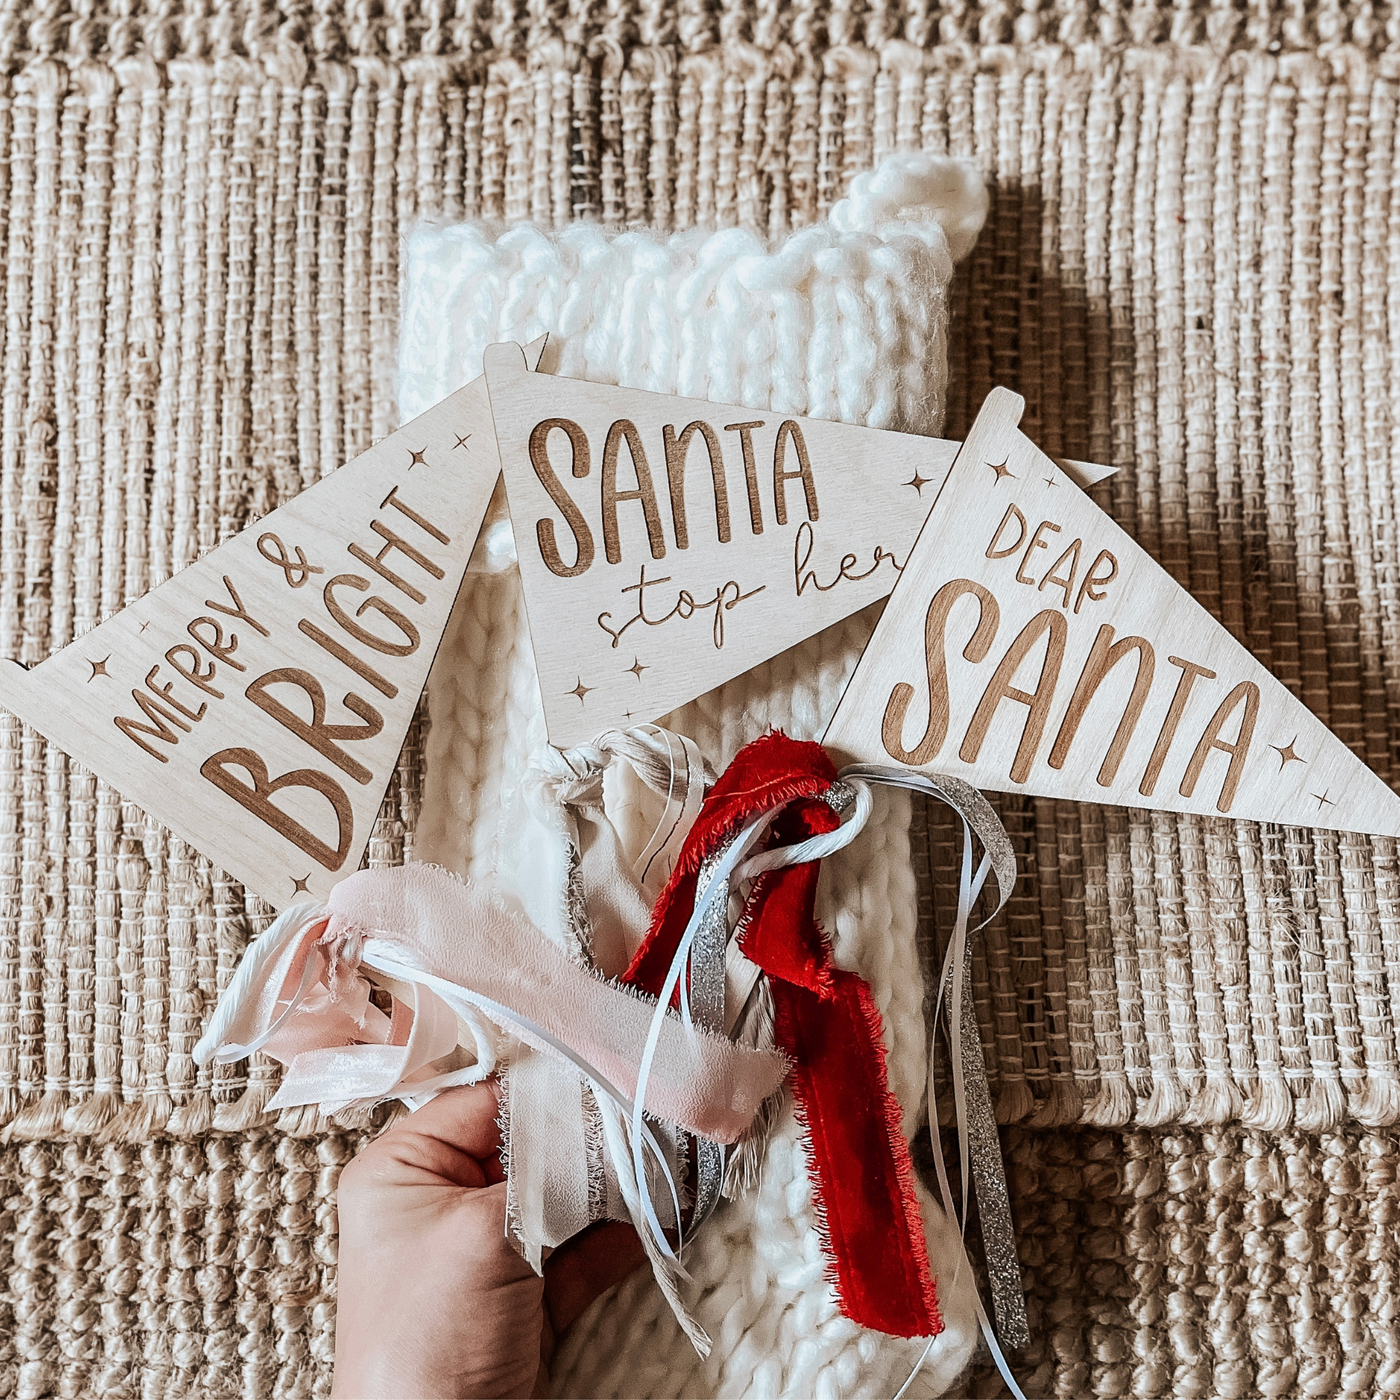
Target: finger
[[454, 1138], [586, 1266], [464, 1118]]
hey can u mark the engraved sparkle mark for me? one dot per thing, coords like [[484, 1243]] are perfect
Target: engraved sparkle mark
[[1286, 754], [420, 459], [1050, 481], [581, 690], [636, 668], [145, 624], [1322, 799], [99, 668], [1002, 470], [918, 482], [462, 442], [302, 886]]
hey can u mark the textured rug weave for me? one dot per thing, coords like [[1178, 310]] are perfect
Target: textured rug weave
[[1226, 1263], [1191, 269]]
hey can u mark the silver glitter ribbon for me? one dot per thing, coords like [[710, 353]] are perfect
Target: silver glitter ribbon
[[707, 955], [979, 1141], [707, 992]]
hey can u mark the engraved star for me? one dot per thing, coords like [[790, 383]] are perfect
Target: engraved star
[[419, 459], [301, 886], [581, 690], [1050, 481], [637, 668], [145, 624], [99, 668], [1002, 470], [918, 482], [1286, 754], [1322, 799], [462, 442]]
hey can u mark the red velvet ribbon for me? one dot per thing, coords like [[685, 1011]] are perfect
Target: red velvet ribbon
[[828, 1024]]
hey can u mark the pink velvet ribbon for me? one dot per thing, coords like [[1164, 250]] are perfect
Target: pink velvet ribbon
[[460, 968]]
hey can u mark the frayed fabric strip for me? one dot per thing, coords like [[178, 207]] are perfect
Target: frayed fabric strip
[[420, 927], [469, 980], [826, 1021]]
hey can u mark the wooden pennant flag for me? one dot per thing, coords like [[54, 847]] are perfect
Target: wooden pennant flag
[[668, 544], [256, 703], [1032, 646]]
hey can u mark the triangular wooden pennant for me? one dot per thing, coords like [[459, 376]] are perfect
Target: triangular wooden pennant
[[1032, 646], [668, 544], [256, 702]]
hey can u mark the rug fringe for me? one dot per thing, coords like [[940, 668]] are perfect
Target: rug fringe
[[41, 1120], [194, 1117], [244, 1112], [89, 1116]]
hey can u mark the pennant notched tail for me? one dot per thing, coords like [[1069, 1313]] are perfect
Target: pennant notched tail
[[256, 702], [1032, 646]]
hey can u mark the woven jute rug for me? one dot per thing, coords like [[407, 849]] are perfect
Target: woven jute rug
[[1191, 269]]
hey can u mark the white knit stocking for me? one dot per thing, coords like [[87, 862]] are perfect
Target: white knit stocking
[[847, 320]]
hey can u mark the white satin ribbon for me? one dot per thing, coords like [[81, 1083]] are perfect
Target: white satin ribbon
[[673, 767]]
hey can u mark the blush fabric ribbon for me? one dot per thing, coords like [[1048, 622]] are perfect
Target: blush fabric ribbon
[[469, 982]]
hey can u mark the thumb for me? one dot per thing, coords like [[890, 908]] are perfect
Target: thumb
[[455, 1138]]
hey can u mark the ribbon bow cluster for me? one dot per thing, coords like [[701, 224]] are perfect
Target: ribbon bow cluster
[[642, 1065]]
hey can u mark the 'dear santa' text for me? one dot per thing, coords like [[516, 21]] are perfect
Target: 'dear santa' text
[[1065, 639]]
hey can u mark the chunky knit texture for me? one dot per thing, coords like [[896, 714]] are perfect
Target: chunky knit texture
[[849, 319], [846, 319]]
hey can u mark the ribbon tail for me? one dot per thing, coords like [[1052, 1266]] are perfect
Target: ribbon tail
[[864, 1175], [668, 1271], [979, 1143], [989, 1180], [754, 1027], [547, 1185]]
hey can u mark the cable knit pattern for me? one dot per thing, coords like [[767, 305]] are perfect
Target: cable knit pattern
[[845, 320]]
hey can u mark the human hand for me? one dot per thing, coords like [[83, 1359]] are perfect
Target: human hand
[[433, 1299]]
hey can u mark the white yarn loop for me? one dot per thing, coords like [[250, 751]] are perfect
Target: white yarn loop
[[913, 190]]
